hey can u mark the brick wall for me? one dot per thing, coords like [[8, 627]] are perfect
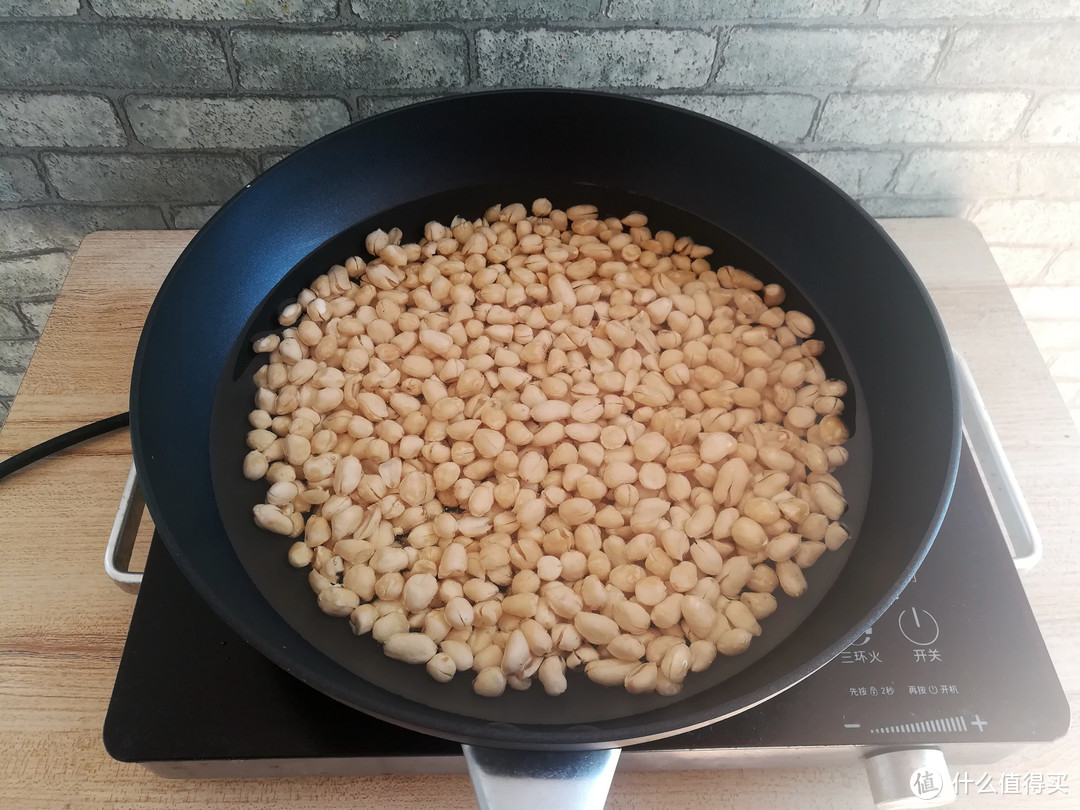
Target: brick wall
[[149, 113]]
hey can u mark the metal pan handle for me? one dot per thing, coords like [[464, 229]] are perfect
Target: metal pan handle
[[1008, 501], [122, 537], [540, 780]]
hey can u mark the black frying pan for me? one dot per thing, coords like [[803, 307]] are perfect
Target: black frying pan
[[758, 207]]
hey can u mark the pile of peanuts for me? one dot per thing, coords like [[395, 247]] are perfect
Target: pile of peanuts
[[533, 443]]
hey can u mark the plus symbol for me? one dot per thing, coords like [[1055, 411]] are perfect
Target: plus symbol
[[980, 723]]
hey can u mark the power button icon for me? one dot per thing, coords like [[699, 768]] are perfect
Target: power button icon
[[918, 626]]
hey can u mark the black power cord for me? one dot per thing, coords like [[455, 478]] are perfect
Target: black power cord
[[62, 442]]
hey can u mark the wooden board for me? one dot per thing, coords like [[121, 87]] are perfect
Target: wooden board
[[63, 623]]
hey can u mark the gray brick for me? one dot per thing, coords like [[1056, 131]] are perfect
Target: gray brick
[[1029, 222], [1066, 365], [39, 119], [233, 123], [38, 8], [15, 354], [1051, 336], [332, 61], [37, 313], [1056, 119], [733, 10], [850, 57], [1047, 303], [776, 117], [992, 9], [147, 178], [416, 10], [193, 217], [1065, 271], [887, 206], [266, 161], [856, 171], [5, 408], [1013, 54], [1051, 174], [367, 106], [1021, 265], [11, 325], [36, 54], [291, 11], [960, 172], [51, 227], [640, 57], [34, 276], [9, 385], [921, 116], [19, 180]]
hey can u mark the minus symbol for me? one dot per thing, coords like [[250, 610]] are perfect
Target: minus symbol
[[852, 725]]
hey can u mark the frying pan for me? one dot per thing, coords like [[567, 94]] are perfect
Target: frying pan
[[759, 208]]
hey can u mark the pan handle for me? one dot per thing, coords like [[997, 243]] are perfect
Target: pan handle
[[540, 780], [122, 536], [1012, 510]]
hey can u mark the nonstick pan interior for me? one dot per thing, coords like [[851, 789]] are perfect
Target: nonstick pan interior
[[263, 554], [758, 207]]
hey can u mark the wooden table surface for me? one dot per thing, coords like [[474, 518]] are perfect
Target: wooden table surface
[[63, 623]]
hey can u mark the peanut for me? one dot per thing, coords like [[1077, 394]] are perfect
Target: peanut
[[441, 667], [609, 671], [412, 648], [489, 682], [548, 440], [552, 675]]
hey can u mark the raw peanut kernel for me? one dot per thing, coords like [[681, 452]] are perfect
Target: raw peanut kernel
[[543, 440]]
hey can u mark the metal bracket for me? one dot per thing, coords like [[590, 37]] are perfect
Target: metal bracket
[[122, 537], [1023, 538], [540, 780]]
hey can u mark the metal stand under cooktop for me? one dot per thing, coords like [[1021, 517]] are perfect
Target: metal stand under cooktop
[[957, 665]]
